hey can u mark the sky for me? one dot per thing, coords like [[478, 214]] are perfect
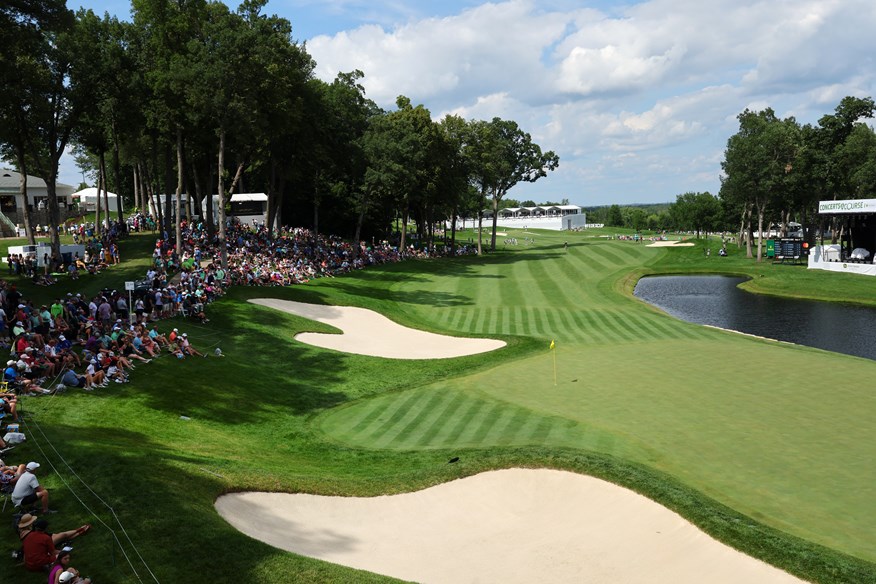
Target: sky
[[638, 99]]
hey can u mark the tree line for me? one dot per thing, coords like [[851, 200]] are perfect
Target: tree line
[[192, 97], [775, 171]]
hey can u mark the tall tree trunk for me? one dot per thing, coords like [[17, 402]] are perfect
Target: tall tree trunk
[[404, 230], [272, 198], [179, 186], [316, 202], [153, 187], [168, 201], [155, 202], [480, 231], [453, 231], [136, 186], [25, 210], [278, 213], [223, 251], [51, 188], [495, 222], [760, 214], [357, 235], [98, 222], [105, 188], [198, 205], [211, 221], [117, 173]]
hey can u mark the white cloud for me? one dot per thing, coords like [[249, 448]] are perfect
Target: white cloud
[[643, 89]]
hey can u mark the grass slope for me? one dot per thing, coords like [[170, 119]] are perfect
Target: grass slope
[[729, 431]]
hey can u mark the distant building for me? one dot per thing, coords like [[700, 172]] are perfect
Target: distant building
[[37, 192], [87, 199], [247, 207], [538, 211], [12, 203]]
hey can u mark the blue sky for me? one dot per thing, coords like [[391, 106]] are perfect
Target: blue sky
[[637, 98]]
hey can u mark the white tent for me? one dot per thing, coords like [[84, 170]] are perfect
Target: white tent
[[88, 200]]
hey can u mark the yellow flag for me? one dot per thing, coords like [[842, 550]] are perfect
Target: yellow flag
[[552, 344]]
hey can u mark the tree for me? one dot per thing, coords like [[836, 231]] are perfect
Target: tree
[[615, 218], [696, 211], [514, 158], [759, 159], [25, 29]]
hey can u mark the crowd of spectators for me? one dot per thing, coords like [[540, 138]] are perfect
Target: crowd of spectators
[[293, 255], [88, 342]]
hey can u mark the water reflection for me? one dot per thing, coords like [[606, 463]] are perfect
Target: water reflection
[[717, 301]]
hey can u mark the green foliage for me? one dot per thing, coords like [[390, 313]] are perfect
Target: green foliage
[[762, 462]]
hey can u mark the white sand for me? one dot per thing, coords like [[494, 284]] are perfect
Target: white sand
[[504, 526], [670, 244], [366, 332]]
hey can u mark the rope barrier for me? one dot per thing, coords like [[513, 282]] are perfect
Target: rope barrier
[[78, 498]]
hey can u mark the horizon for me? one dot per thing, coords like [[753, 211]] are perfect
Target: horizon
[[638, 100]]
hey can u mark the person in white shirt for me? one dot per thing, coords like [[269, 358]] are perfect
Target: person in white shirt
[[28, 489]]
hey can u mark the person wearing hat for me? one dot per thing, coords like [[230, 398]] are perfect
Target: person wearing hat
[[94, 374], [40, 547], [186, 346], [28, 489]]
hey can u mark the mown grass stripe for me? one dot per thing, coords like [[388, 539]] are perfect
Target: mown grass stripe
[[449, 433], [521, 321], [553, 293], [440, 421], [552, 319], [369, 411], [660, 331], [396, 410], [483, 417], [578, 326], [624, 324], [480, 320], [414, 419], [597, 267], [616, 260], [468, 317], [493, 319], [541, 432], [644, 328], [530, 429], [515, 427], [596, 326], [613, 332], [500, 426]]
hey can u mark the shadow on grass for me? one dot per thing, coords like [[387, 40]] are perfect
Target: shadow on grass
[[151, 505], [263, 369]]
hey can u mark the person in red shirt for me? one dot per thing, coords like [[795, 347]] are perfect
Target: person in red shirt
[[38, 546]]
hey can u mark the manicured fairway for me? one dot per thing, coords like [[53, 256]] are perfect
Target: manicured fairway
[[759, 426], [753, 441]]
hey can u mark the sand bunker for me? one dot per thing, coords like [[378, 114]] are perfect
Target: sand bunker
[[670, 244], [369, 333], [507, 526]]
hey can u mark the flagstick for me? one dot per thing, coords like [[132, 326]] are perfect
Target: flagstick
[[554, 351]]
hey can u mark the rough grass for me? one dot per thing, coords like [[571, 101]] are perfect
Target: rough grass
[[736, 434]]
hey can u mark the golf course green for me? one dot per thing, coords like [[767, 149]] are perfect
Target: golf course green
[[765, 446]]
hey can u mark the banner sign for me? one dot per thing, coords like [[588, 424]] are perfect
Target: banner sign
[[850, 206]]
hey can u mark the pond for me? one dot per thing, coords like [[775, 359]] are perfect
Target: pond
[[716, 300]]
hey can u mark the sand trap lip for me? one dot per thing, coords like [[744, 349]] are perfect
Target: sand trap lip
[[369, 333], [513, 525], [670, 244]]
